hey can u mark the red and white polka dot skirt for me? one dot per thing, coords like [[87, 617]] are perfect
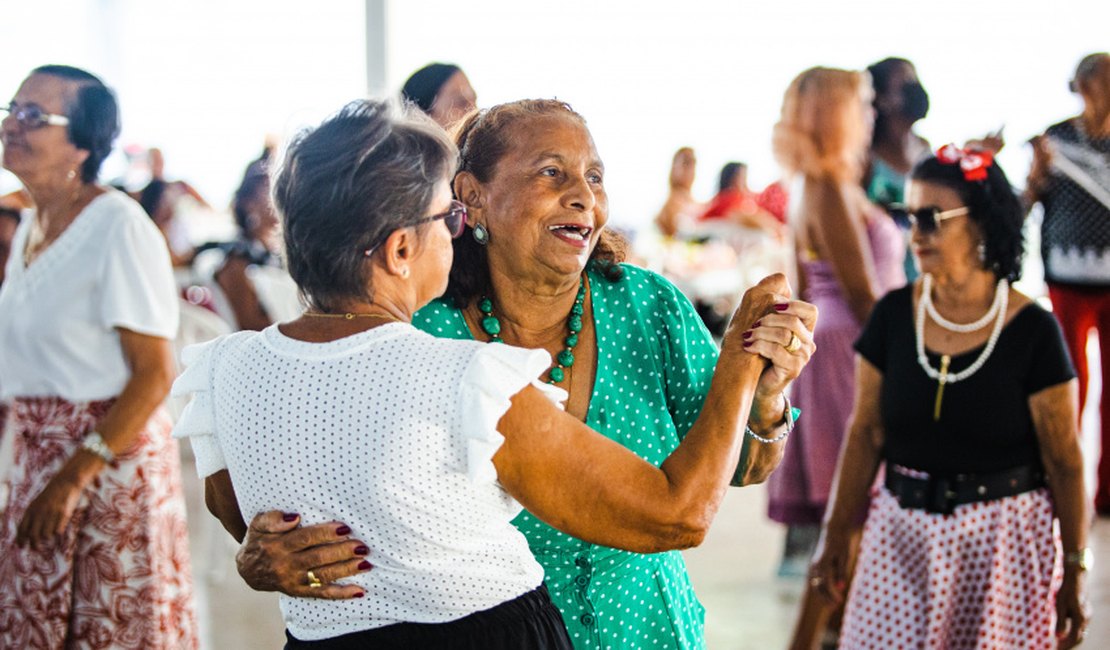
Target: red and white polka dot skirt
[[985, 576]]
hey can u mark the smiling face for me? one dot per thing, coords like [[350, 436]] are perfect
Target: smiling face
[[954, 245], [37, 155], [545, 205]]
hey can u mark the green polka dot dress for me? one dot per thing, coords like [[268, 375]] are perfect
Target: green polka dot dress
[[655, 362]]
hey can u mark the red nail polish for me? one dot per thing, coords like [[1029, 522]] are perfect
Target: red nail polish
[[362, 550], [757, 324], [343, 530], [747, 335], [782, 306], [289, 516], [360, 595], [365, 566]]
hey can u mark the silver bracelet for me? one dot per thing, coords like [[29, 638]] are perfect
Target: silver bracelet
[[787, 414], [94, 443]]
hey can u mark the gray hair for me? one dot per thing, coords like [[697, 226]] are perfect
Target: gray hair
[[346, 185]]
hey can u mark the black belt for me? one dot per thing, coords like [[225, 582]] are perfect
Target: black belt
[[941, 494]]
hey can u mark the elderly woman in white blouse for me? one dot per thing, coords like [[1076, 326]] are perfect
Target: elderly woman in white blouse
[[93, 550], [428, 447]]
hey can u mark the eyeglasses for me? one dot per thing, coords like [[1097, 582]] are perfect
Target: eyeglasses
[[455, 218], [31, 116], [926, 220]]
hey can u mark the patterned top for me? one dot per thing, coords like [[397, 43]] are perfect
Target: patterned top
[[403, 435], [655, 362], [1075, 235]]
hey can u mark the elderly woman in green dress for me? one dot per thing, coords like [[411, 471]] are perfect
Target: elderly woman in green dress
[[538, 269]]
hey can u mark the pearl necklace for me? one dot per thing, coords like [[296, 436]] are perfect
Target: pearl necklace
[[942, 376], [1000, 294]]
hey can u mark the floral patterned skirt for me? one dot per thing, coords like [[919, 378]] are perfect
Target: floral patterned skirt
[[119, 576]]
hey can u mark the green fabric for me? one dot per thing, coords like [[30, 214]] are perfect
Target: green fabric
[[885, 188], [655, 362]]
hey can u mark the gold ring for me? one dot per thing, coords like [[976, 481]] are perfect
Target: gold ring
[[794, 345], [313, 581]]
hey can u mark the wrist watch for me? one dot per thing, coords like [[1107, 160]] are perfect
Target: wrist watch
[[1083, 559]]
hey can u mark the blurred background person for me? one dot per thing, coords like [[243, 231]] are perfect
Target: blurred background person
[[900, 102], [849, 254], [162, 198], [680, 208], [93, 542], [442, 91], [11, 209], [250, 289], [967, 399], [738, 204], [1070, 178]]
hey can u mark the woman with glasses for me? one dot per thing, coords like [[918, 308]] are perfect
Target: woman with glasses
[[424, 446], [93, 548], [966, 398]]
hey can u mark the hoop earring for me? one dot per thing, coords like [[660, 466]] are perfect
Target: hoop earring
[[481, 235]]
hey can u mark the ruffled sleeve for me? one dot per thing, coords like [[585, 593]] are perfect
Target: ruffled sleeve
[[496, 373], [198, 420]]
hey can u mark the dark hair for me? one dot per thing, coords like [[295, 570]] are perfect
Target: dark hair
[[345, 185], [881, 74], [93, 116], [151, 196], [728, 175], [483, 139], [1087, 69], [992, 204], [424, 84], [882, 71], [254, 180]]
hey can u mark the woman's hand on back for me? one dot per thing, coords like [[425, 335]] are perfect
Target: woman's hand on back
[[276, 555]]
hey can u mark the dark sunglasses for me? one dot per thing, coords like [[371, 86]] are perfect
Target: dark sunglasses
[[926, 220], [31, 116], [455, 218]]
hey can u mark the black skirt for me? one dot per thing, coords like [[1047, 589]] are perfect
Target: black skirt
[[530, 622]]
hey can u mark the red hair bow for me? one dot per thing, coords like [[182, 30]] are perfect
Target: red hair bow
[[972, 162]]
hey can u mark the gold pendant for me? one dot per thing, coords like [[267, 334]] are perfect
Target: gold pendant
[[944, 361]]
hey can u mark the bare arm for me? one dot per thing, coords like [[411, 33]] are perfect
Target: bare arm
[[840, 236], [248, 310], [152, 372], [597, 490], [219, 497], [855, 471], [1055, 420]]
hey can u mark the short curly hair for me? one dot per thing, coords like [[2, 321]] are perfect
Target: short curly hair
[[483, 139], [992, 204]]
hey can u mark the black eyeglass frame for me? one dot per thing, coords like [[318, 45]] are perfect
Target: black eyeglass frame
[[454, 217]]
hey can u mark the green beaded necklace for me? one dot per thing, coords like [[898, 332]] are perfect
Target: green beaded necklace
[[565, 359]]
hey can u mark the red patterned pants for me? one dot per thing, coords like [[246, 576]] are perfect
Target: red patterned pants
[[119, 576]]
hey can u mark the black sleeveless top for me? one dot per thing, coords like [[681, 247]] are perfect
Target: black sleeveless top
[[985, 424]]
